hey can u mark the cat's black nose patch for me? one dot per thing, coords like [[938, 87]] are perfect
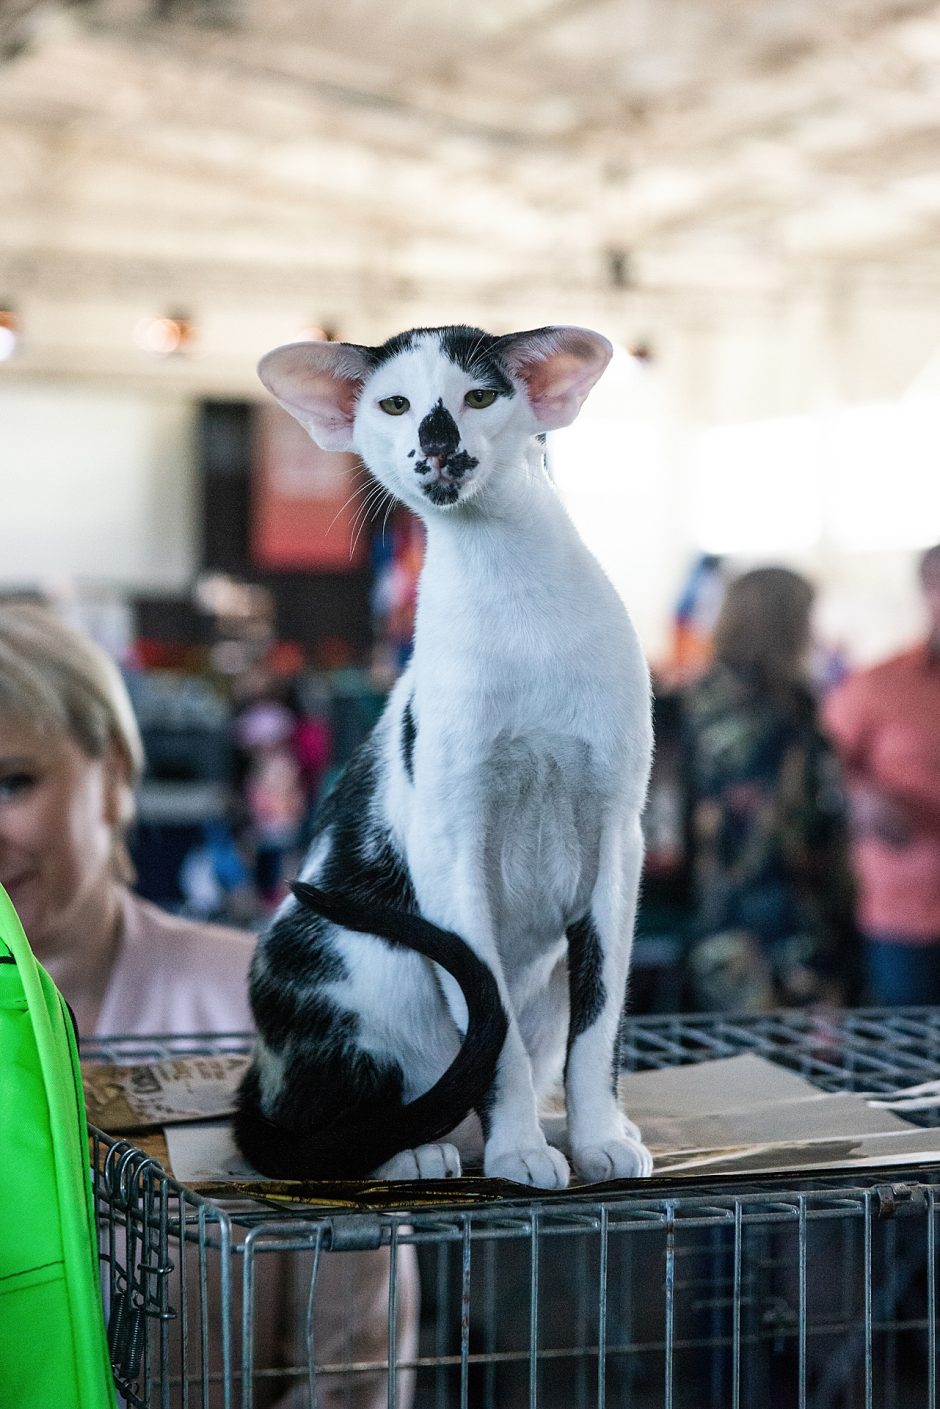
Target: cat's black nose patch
[[438, 433]]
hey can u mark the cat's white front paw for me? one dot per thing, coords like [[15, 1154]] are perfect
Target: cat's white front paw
[[631, 1129], [543, 1167], [439, 1161], [613, 1159]]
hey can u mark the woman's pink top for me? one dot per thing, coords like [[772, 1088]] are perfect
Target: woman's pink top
[[174, 975]]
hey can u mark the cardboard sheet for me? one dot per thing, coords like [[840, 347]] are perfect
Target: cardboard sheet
[[737, 1115]]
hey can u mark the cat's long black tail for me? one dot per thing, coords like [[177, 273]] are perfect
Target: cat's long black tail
[[354, 1150]]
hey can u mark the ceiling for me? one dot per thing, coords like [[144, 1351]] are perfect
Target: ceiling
[[359, 159]]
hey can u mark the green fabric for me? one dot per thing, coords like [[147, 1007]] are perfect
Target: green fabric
[[53, 1346]]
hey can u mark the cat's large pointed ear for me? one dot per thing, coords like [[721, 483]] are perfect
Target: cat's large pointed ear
[[319, 384], [556, 368]]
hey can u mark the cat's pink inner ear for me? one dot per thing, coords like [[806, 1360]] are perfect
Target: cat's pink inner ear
[[319, 384], [557, 367]]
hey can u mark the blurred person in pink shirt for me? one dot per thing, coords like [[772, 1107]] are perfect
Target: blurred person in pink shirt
[[885, 721]]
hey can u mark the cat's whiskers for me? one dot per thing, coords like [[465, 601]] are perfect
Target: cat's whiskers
[[388, 509], [360, 489], [362, 512], [374, 500]]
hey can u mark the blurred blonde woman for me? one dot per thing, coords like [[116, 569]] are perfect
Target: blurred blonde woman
[[70, 758], [772, 890]]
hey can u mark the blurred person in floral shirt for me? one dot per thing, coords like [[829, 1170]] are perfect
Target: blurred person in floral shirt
[[772, 901]]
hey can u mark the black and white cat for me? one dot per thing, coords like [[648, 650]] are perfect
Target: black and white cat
[[461, 934]]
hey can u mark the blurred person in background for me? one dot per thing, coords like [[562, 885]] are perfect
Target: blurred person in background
[[886, 723], [772, 901], [274, 793], [70, 756]]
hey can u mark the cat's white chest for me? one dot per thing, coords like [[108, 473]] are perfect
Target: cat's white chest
[[540, 819]]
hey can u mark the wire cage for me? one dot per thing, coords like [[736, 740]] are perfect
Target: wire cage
[[814, 1292]]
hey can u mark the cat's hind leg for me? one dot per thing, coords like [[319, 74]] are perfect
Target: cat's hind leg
[[435, 1161], [604, 1143]]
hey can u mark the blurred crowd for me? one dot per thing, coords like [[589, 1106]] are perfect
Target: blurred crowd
[[793, 822], [808, 801]]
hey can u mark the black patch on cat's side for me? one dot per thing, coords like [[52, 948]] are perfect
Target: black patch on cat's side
[[294, 960], [409, 733], [297, 957], [362, 861], [585, 981], [335, 1085], [330, 1079], [330, 1087]]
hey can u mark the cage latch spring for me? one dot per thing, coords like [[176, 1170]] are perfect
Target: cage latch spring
[[126, 1335]]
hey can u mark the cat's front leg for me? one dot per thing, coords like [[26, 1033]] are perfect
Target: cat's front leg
[[604, 1143], [514, 1143]]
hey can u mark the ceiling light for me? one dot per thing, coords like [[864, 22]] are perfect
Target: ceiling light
[[162, 337], [313, 332]]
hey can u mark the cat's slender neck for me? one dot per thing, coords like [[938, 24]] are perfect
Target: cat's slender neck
[[517, 507], [500, 562]]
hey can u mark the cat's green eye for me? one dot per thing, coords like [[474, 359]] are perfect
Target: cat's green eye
[[395, 405], [479, 397]]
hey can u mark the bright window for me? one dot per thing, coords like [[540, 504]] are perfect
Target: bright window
[[755, 488], [883, 483]]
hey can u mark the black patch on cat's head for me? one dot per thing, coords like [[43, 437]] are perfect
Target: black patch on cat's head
[[472, 349], [401, 342], [467, 347]]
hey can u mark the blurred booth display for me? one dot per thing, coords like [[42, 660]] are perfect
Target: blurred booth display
[[9, 333], [185, 724], [397, 556], [696, 611], [243, 621], [304, 501]]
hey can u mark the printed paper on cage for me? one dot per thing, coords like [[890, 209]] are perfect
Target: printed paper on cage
[[146, 1096]]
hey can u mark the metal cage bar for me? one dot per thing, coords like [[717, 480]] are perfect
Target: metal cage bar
[[804, 1292]]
